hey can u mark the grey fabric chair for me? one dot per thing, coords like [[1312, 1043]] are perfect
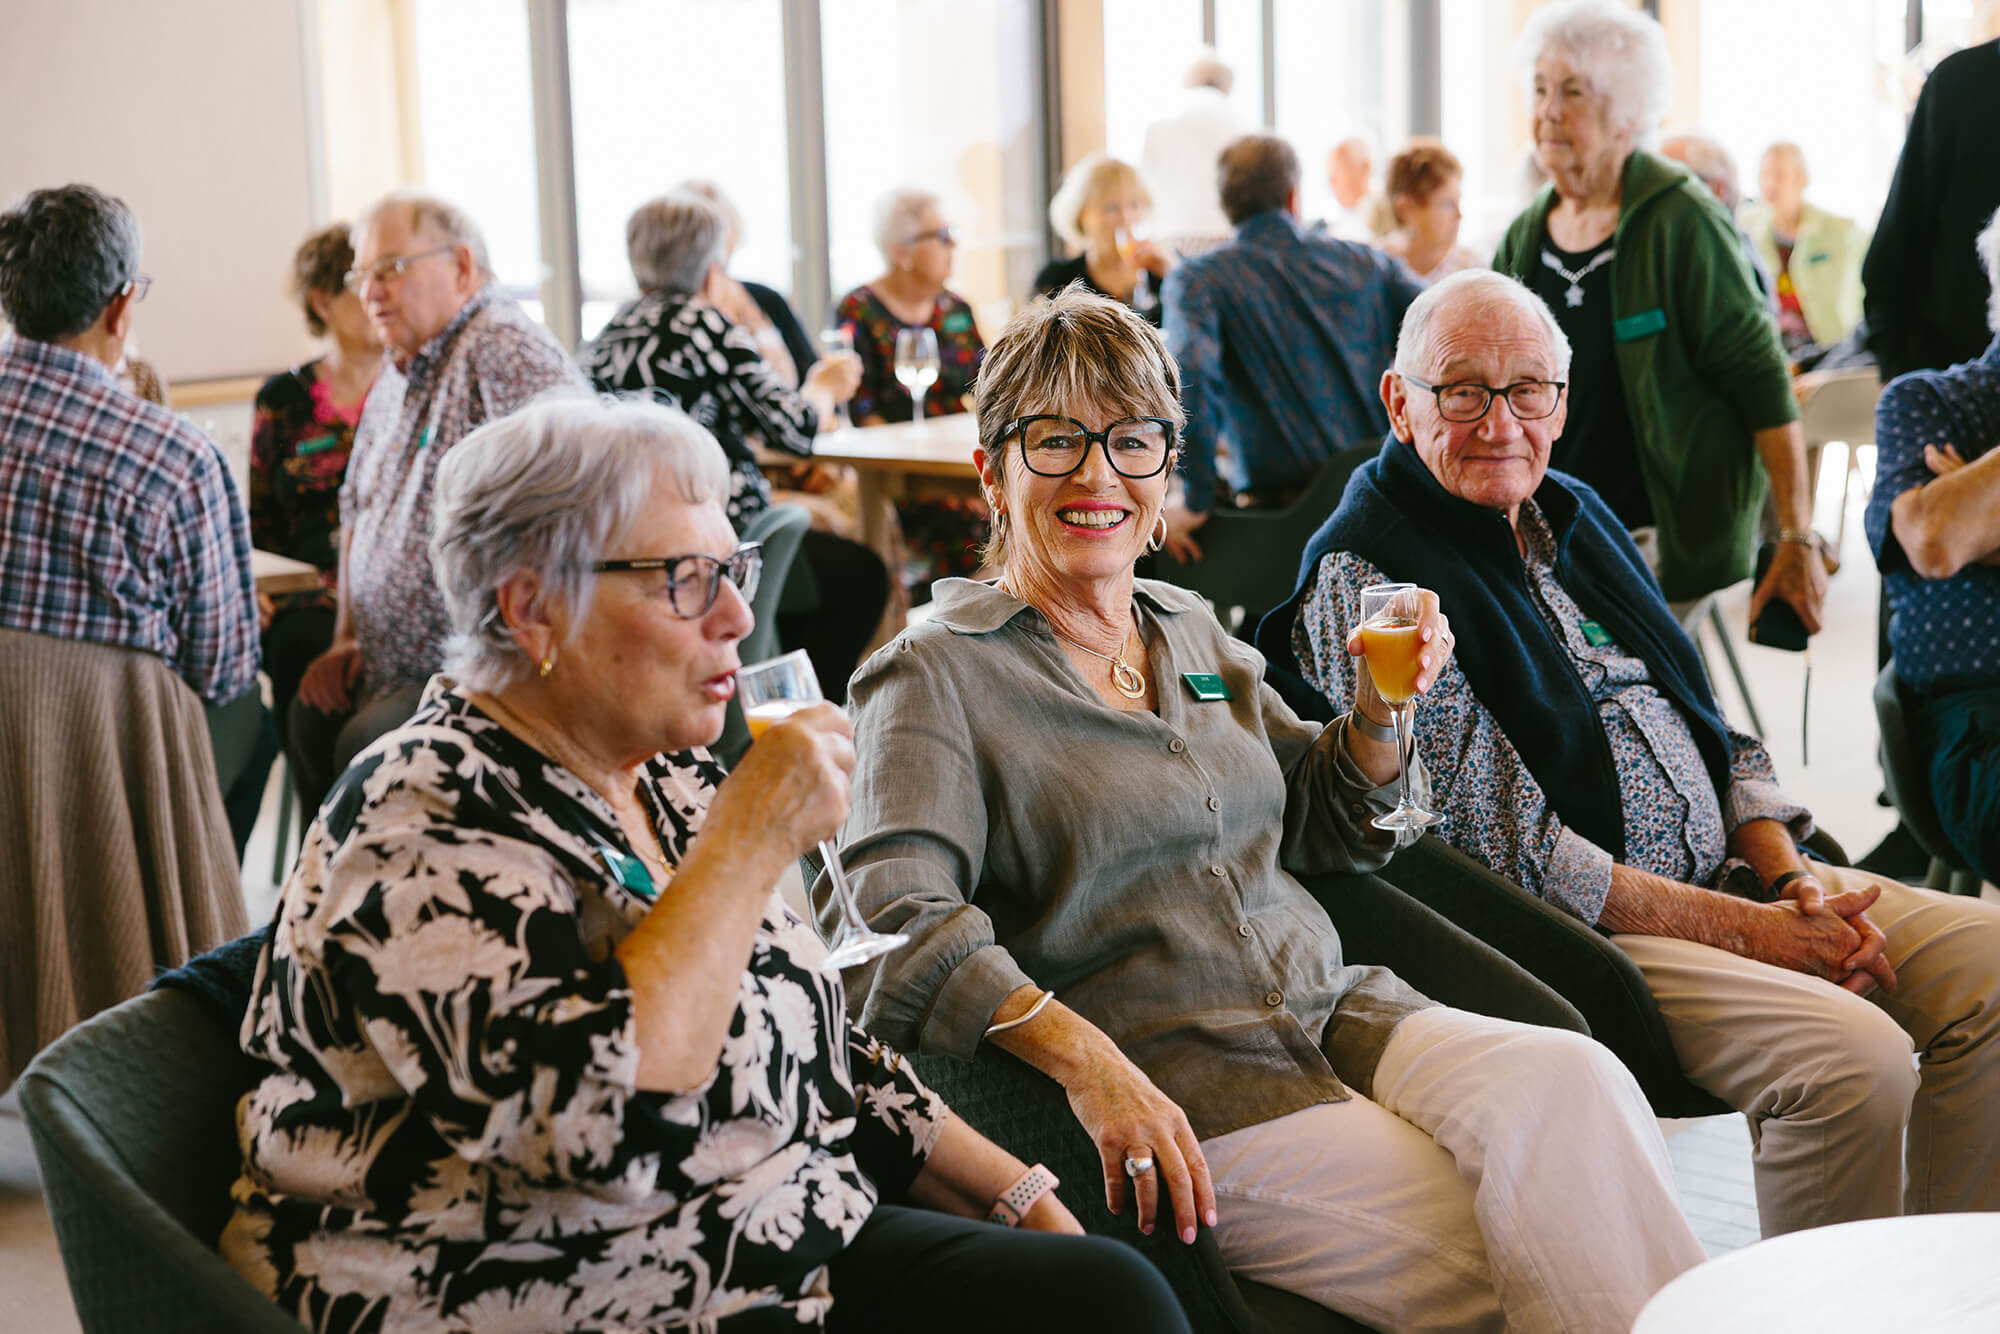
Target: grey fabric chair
[[133, 1116], [780, 528], [1019, 1108], [1906, 777], [1250, 558]]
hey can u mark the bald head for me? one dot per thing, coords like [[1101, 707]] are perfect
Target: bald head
[[1347, 169]]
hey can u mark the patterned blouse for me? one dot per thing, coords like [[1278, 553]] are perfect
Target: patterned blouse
[[1676, 823], [881, 394], [491, 359], [453, 1138], [299, 445], [679, 346]]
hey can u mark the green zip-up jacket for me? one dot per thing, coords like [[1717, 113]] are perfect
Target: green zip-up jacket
[[1701, 361]]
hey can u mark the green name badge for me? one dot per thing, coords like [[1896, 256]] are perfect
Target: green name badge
[[424, 440], [1595, 634], [958, 321], [319, 444], [1638, 326], [627, 871], [1206, 687]]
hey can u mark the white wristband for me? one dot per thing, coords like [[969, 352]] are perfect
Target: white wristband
[[1013, 1203]]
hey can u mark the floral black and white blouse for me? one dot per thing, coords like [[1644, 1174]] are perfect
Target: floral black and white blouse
[[453, 1139]]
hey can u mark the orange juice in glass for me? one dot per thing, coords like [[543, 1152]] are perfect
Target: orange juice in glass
[[774, 711], [1390, 614]]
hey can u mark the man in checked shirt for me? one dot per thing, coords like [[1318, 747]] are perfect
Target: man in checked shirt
[[119, 522]]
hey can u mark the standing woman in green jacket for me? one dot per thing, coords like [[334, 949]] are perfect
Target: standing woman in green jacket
[[1679, 386]]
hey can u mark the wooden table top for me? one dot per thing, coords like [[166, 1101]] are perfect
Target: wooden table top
[[934, 447], [1930, 1272], [276, 574]]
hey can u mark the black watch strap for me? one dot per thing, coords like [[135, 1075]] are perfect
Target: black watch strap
[[1777, 887]]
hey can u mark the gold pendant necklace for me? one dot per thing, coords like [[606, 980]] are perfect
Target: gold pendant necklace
[[1124, 678]]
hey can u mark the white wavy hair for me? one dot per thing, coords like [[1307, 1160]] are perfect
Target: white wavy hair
[[1989, 256], [1621, 54]]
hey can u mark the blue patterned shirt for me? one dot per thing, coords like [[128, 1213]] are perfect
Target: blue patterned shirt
[[1945, 632], [1676, 823], [1282, 336], [120, 523]]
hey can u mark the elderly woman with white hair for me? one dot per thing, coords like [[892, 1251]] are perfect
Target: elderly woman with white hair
[[1681, 385], [547, 1051], [675, 342], [1098, 211], [918, 247]]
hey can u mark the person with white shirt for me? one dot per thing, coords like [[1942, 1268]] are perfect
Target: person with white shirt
[[1179, 161]]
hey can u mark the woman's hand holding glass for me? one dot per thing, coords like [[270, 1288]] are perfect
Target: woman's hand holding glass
[[791, 789], [1404, 641]]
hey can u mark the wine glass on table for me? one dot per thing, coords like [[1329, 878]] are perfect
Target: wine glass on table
[[834, 342], [771, 692], [1390, 614], [917, 365]]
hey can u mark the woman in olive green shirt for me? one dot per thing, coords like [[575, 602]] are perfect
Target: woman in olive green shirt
[[1075, 781]]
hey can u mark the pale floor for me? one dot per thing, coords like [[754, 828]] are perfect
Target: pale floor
[[1711, 1156]]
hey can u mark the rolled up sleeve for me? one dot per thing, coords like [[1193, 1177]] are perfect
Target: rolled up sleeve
[[916, 839]]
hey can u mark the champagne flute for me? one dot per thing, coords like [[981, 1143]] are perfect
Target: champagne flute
[[917, 364], [1389, 617], [771, 692], [837, 341]]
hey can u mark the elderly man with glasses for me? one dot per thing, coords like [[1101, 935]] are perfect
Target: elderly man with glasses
[[1575, 748], [119, 523], [459, 355]]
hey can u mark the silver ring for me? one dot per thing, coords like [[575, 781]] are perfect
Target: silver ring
[[1137, 1167]]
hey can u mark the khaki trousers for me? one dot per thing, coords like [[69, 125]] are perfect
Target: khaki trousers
[[1843, 1123], [1503, 1177]]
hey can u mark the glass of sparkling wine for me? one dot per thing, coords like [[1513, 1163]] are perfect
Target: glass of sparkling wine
[[1389, 616], [837, 341], [917, 364], [771, 692]]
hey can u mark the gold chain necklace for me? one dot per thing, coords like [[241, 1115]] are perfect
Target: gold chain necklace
[[1125, 679]]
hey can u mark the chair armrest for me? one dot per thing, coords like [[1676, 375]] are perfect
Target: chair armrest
[[1591, 973], [1380, 924]]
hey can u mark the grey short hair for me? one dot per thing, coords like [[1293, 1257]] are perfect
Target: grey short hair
[[732, 217], [440, 217], [64, 253], [1989, 256], [548, 489], [673, 241], [1088, 181], [1209, 70], [1704, 155], [1621, 53], [1470, 292], [896, 215]]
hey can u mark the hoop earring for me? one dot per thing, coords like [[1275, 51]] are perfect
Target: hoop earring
[[1159, 537]]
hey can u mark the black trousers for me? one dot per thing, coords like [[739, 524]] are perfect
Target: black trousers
[[914, 1270], [295, 637], [319, 745]]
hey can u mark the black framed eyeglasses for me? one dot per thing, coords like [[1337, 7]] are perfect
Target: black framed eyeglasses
[[383, 270], [1053, 446], [1465, 401], [694, 580]]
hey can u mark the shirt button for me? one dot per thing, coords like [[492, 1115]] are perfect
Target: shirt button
[[1177, 745], [1358, 809], [1217, 872], [1244, 930], [1274, 998], [1215, 803]]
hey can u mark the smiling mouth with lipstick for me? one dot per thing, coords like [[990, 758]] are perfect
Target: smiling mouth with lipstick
[[1093, 518]]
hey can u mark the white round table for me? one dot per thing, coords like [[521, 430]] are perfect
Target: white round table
[[1939, 1273]]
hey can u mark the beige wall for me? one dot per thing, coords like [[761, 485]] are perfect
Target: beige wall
[[196, 116], [367, 51]]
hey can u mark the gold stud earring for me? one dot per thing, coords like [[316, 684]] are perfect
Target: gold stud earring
[[548, 665]]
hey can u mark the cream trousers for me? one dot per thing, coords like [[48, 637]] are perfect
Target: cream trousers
[[1845, 1125], [1503, 1177]]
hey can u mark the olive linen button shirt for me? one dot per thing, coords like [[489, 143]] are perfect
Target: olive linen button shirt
[[1022, 831]]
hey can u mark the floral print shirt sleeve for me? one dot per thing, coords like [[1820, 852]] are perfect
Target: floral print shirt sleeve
[[299, 445], [452, 1135], [881, 394]]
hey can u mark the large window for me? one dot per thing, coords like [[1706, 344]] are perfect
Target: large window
[[1341, 70], [476, 116], [663, 91], [944, 95], [1148, 45]]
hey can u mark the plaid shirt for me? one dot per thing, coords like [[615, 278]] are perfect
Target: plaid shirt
[[1282, 336], [490, 360], [120, 523]]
